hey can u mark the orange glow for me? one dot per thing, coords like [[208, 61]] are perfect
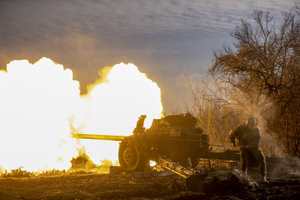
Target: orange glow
[[38, 102]]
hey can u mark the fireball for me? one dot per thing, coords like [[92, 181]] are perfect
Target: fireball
[[41, 106], [115, 103], [36, 102]]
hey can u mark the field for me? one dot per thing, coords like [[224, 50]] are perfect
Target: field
[[126, 186]]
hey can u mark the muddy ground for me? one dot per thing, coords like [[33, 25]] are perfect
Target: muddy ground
[[124, 186]]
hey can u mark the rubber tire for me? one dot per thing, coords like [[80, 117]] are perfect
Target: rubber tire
[[131, 158]]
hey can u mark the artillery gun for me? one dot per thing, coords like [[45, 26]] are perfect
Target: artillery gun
[[173, 142], [172, 137]]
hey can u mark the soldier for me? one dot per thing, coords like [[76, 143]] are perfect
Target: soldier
[[248, 135]]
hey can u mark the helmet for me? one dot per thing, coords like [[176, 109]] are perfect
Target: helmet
[[252, 121]]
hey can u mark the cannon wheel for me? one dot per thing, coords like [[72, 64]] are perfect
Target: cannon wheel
[[131, 158]]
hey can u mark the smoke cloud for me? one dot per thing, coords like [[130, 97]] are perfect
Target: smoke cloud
[[41, 105], [36, 101]]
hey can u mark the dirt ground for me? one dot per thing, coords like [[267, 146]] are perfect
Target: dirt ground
[[124, 186]]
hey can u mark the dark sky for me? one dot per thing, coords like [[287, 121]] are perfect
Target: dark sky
[[165, 39]]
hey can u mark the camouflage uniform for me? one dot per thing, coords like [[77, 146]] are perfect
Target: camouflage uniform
[[249, 143]]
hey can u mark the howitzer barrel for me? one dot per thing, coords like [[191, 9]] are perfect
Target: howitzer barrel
[[99, 137]]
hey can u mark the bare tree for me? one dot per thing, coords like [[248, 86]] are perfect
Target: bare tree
[[264, 70]]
